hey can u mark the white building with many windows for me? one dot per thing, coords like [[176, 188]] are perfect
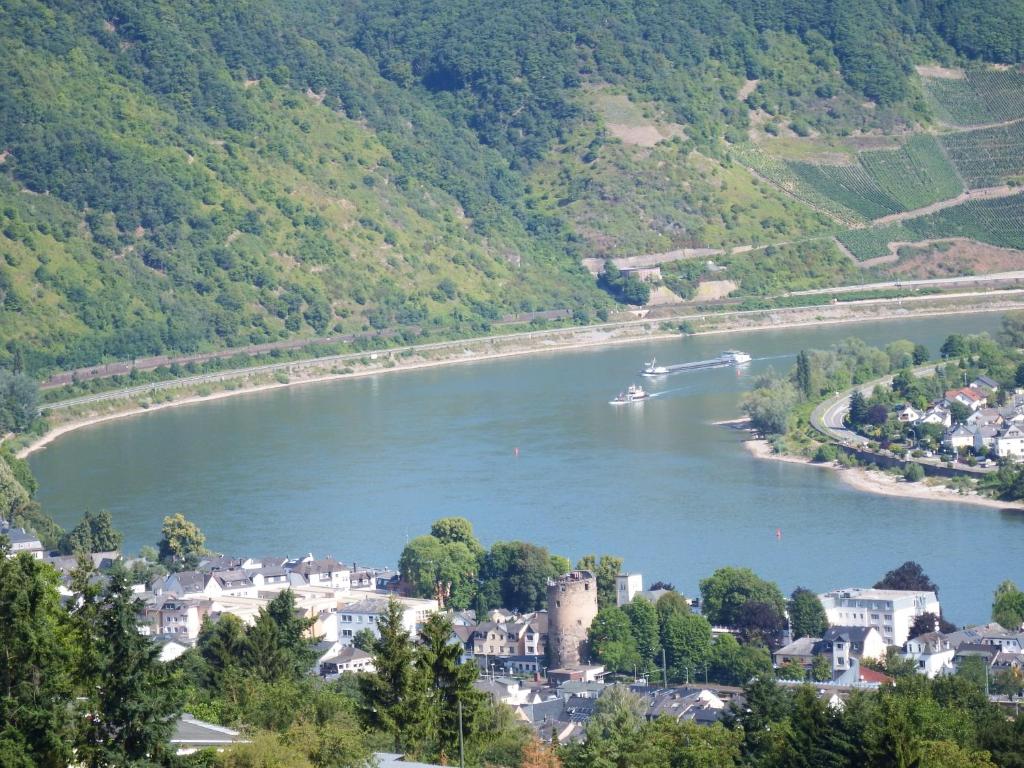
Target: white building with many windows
[[890, 611], [366, 614]]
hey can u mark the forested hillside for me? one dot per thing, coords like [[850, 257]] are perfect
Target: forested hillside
[[186, 176]]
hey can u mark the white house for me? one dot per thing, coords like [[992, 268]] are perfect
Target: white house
[[890, 611], [627, 586], [184, 584], [366, 614], [326, 572], [183, 618], [932, 654], [1010, 442], [348, 659], [985, 383], [908, 414], [985, 436], [972, 398], [937, 415], [958, 437], [230, 584], [22, 541]]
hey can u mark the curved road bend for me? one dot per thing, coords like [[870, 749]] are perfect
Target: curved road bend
[[829, 416]]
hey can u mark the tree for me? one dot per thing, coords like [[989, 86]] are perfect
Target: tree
[[948, 754], [181, 544], [95, 533], [909, 576], [1008, 605], [222, 645], [727, 590], [19, 401], [959, 412], [954, 346], [816, 738], [364, 640], [35, 664], [1012, 332], [446, 570], [643, 619], [921, 354], [611, 640], [687, 641], [769, 407], [514, 575], [537, 754], [929, 622], [132, 698], [858, 409], [449, 530], [450, 684], [877, 415], [914, 472], [806, 614], [803, 374], [605, 570], [759, 623], [735, 664], [821, 669], [395, 695], [617, 713]]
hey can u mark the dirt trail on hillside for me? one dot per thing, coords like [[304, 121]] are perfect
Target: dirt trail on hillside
[[986, 193]]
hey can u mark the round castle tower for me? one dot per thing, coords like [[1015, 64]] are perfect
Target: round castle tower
[[572, 606]]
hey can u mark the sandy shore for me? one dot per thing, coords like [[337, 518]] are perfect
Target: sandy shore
[[582, 338], [874, 481]]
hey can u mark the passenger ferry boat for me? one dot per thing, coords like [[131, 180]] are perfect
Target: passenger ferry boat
[[633, 394]]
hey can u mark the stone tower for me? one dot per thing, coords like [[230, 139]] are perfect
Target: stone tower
[[572, 606]]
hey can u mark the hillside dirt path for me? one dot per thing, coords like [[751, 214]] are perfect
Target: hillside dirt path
[[985, 193]]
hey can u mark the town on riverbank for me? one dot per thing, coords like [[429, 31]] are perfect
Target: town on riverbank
[[552, 645], [956, 425]]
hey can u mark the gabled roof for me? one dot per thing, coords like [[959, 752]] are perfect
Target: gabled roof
[[324, 565], [847, 634], [868, 675], [232, 579], [190, 732], [346, 655], [189, 581]]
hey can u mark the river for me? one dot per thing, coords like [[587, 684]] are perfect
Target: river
[[355, 468]]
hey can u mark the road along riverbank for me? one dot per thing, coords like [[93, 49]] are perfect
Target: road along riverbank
[[77, 413]]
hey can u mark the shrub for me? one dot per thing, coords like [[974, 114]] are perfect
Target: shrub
[[826, 453], [913, 473]]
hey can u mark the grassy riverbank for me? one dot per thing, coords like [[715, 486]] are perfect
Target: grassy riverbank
[[121, 404]]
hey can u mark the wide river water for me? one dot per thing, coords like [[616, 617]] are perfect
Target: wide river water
[[355, 468]]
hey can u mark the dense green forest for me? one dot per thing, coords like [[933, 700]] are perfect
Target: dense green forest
[[177, 177]]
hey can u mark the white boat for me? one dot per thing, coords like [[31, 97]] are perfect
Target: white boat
[[633, 394], [736, 357], [653, 369]]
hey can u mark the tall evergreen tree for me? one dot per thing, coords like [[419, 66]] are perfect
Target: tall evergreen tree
[[450, 684], [803, 373], [858, 408], [132, 698], [395, 696], [35, 665], [643, 619]]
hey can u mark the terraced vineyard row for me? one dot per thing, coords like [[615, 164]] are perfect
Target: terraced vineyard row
[[917, 174], [987, 157], [984, 96], [781, 173], [849, 185], [998, 221]]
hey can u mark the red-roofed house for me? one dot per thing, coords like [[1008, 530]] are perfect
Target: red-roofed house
[[972, 398], [866, 675]]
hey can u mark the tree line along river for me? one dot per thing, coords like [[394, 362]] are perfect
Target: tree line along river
[[355, 468]]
